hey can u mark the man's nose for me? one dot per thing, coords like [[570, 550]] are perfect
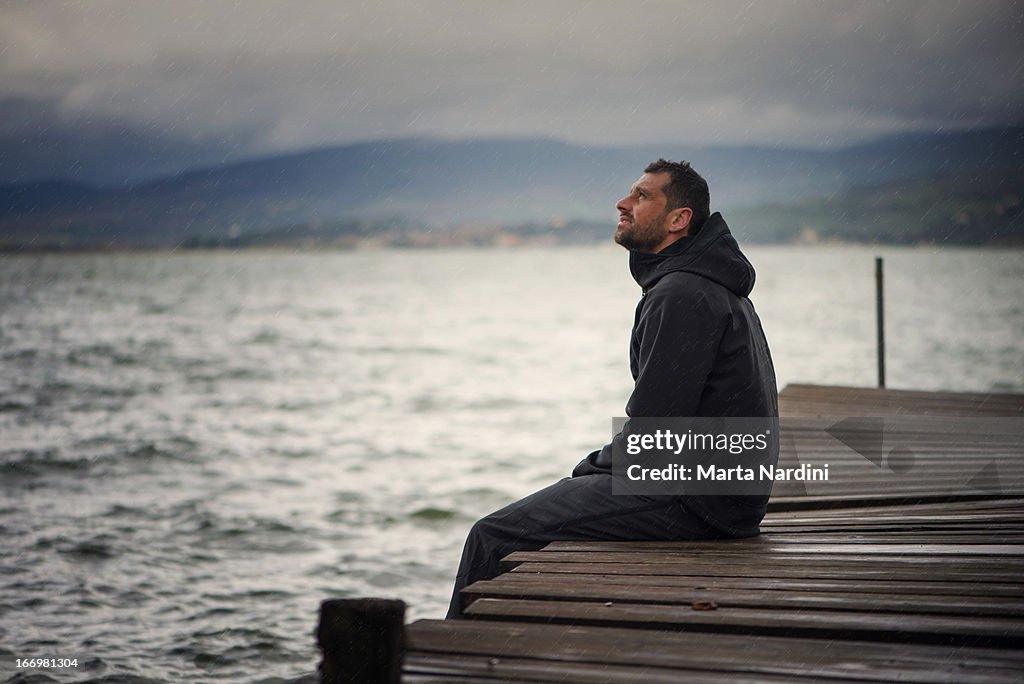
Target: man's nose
[[622, 205]]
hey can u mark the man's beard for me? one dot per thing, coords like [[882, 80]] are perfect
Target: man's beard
[[642, 237]]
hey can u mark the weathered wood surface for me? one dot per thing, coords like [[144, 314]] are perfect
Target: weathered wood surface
[[908, 457], [883, 576], [547, 653], [951, 609], [958, 584], [817, 400]]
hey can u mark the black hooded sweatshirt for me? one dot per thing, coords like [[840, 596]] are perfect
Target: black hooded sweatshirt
[[697, 350]]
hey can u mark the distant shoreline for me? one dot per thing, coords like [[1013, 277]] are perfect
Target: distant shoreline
[[15, 250]]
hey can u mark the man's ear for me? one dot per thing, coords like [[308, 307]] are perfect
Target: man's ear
[[681, 220]]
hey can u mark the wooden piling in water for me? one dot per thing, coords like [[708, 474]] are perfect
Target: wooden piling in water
[[880, 319], [362, 641]]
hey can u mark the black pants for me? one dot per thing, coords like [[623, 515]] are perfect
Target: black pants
[[573, 509]]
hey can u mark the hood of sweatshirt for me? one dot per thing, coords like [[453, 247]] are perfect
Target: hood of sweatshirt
[[712, 253]]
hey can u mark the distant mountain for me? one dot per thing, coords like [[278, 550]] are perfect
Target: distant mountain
[[979, 208], [430, 183]]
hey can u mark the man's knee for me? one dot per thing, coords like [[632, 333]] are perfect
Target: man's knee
[[487, 529]]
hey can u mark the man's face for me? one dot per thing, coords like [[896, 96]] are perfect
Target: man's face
[[643, 221]]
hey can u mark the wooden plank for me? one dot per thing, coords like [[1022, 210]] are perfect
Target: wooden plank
[[940, 573], [987, 428], [438, 667], [1013, 505], [997, 533], [892, 554], [839, 394], [779, 596], [770, 541], [907, 521], [952, 512], [661, 651], [820, 624], [416, 678], [994, 530], [845, 501], [859, 585], [773, 539], [815, 400]]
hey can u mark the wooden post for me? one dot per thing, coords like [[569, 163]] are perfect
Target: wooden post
[[362, 641], [880, 316]]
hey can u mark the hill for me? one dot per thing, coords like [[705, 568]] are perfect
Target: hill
[[985, 208], [417, 184]]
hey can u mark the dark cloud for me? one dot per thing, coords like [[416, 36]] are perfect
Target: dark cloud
[[37, 143], [196, 82]]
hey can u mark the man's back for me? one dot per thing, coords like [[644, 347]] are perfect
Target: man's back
[[698, 350], [697, 347]]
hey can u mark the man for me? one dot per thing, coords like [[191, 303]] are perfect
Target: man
[[696, 350]]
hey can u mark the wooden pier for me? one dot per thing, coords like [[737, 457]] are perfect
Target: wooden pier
[[907, 566]]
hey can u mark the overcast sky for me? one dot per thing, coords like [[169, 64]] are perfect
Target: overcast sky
[[240, 78]]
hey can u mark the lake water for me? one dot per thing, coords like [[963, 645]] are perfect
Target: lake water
[[197, 448]]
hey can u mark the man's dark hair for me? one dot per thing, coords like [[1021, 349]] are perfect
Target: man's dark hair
[[686, 189]]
